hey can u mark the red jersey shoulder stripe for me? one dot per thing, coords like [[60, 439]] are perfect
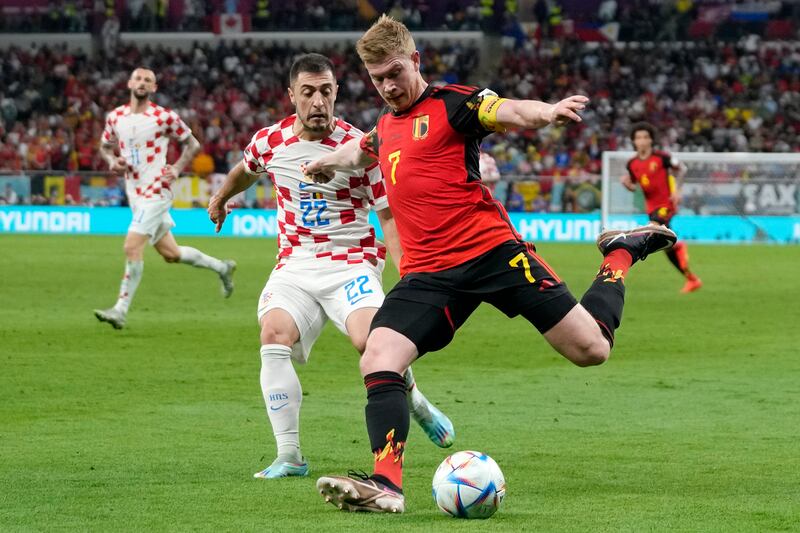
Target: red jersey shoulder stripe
[[469, 88], [461, 89]]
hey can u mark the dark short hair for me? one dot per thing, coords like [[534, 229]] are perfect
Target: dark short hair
[[643, 126], [313, 63]]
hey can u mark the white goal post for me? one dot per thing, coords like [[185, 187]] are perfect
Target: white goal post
[[719, 188]]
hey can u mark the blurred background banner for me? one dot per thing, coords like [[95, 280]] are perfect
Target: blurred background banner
[[567, 227]]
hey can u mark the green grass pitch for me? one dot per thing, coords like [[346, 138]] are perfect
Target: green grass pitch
[[693, 425]]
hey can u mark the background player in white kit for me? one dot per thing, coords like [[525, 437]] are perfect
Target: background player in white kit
[[329, 263], [142, 130]]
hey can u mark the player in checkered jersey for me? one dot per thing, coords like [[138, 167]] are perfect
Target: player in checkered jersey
[[142, 131], [329, 263]]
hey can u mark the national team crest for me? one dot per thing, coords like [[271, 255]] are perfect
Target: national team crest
[[420, 126], [653, 166]]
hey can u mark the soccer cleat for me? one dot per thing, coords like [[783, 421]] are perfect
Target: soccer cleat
[[692, 284], [360, 493], [639, 242], [227, 278], [280, 468], [113, 316], [435, 424]]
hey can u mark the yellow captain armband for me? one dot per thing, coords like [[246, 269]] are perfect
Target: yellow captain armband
[[671, 183], [487, 112]]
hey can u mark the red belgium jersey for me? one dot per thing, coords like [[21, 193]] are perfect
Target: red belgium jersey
[[652, 175], [429, 157]]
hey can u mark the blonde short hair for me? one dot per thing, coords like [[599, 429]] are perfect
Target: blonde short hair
[[385, 38]]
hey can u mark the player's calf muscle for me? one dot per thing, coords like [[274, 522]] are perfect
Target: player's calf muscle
[[578, 338]]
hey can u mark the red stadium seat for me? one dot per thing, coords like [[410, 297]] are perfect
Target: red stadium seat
[[701, 29], [780, 29]]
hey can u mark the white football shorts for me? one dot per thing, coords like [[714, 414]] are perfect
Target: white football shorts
[[152, 218], [313, 293]]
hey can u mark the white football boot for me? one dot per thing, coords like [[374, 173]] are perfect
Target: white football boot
[[113, 316]]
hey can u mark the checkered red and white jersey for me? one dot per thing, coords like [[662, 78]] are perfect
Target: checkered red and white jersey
[[143, 141], [317, 220]]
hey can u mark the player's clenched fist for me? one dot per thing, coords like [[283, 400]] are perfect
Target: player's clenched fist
[[170, 173], [117, 165], [316, 173]]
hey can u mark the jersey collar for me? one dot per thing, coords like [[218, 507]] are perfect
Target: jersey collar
[[426, 93]]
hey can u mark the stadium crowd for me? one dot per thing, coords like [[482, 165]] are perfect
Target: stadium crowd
[[53, 102], [75, 16], [703, 96]]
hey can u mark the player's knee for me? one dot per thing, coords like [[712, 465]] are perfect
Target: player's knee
[[131, 251], [374, 358], [592, 352], [271, 335]]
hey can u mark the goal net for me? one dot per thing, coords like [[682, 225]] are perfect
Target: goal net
[[733, 196]]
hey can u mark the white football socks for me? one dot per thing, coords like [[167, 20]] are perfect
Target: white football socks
[[194, 257], [282, 396], [130, 281], [417, 402]]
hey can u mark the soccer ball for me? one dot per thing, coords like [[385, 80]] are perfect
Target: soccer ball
[[468, 485]]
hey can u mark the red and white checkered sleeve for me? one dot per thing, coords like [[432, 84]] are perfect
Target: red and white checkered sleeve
[[257, 153], [376, 190], [177, 128], [110, 132]]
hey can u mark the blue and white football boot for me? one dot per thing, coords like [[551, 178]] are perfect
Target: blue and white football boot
[[281, 468]]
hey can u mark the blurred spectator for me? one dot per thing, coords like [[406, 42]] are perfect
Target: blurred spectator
[[10, 197], [515, 201], [488, 168], [203, 164], [113, 194], [110, 36], [607, 11]]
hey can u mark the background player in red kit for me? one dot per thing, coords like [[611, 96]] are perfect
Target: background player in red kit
[[459, 247], [650, 169]]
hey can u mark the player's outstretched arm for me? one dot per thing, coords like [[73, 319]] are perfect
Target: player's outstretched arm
[[532, 114], [237, 180], [390, 236], [190, 148], [349, 156]]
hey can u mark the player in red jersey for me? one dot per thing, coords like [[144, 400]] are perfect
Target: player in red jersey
[[652, 171], [459, 247]]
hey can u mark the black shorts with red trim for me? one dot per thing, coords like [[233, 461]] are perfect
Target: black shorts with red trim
[[428, 308], [662, 215]]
